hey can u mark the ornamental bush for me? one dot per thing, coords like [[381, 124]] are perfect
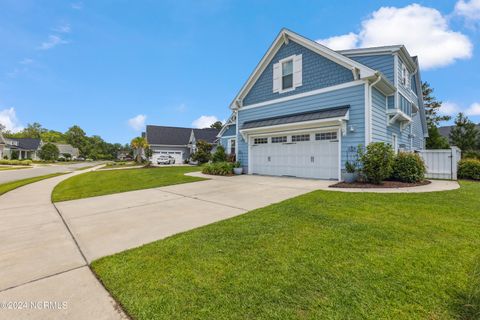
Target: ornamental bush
[[203, 153], [408, 167], [377, 162], [469, 169], [218, 168], [16, 162], [219, 155], [49, 152]]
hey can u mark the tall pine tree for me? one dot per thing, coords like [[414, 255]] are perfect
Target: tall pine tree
[[464, 134], [432, 110]]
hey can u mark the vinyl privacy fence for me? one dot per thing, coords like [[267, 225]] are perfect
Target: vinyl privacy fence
[[442, 163]]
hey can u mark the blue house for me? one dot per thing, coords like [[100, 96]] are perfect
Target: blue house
[[306, 109]]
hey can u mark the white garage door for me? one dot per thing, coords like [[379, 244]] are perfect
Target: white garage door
[[306, 155], [177, 155]]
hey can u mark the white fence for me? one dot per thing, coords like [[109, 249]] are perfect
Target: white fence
[[441, 164]]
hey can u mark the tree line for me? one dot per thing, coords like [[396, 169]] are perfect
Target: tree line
[[90, 147], [464, 134]]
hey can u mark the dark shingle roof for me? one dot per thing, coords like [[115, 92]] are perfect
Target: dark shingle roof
[[209, 134], [168, 135], [298, 117], [27, 143], [445, 131]]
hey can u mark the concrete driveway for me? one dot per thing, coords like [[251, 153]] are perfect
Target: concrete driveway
[[109, 224], [46, 252], [40, 170]]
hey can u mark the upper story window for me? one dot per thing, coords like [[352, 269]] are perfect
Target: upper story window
[[287, 74], [405, 76]]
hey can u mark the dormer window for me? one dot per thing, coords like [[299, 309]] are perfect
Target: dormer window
[[287, 74]]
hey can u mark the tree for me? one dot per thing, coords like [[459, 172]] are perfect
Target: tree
[[77, 138], [139, 144], [203, 153], [432, 106], [219, 155], [464, 134], [217, 125], [49, 152], [53, 136], [435, 140]]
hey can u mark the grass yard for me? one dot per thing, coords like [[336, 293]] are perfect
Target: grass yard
[[97, 183], [324, 255], [8, 186], [13, 168]]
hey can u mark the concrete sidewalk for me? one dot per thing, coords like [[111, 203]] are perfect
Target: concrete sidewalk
[[40, 261]]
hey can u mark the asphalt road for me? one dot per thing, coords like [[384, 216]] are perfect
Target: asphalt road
[[11, 175]]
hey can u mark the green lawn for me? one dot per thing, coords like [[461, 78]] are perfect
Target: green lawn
[[97, 183], [13, 168], [324, 255], [5, 187]]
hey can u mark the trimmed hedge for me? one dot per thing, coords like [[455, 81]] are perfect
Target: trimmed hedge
[[218, 168], [469, 169], [16, 162], [408, 167]]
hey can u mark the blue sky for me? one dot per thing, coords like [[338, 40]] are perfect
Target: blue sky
[[102, 63]]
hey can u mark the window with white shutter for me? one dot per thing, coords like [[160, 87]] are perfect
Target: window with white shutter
[[287, 74]]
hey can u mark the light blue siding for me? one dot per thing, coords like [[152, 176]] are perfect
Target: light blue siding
[[405, 90], [353, 96], [383, 63], [317, 72], [379, 116], [224, 143], [417, 131], [405, 105], [231, 131]]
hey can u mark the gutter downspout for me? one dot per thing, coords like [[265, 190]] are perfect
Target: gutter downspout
[[368, 138]]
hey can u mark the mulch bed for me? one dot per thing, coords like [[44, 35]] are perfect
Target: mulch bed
[[385, 184]]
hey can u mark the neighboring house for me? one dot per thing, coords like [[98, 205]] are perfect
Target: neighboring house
[[177, 142], [445, 131], [306, 108], [67, 149], [26, 148]]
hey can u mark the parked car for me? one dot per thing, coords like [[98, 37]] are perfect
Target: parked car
[[165, 160], [80, 159]]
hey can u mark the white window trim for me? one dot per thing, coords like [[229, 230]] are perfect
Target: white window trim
[[395, 142], [229, 145], [281, 62]]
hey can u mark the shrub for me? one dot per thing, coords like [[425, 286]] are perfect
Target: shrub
[[408, 167], [16, 162], [472, 154], [203, 153], [219, 155], [49, 152], [377, 162], [469, 169], [14, 155], [218, 168]]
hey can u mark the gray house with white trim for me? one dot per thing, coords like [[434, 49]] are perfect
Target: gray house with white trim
[[177, 142], [305, 109]]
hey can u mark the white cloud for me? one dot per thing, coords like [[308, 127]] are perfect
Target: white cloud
[[77, 5], [26, 61], [424, 31], [346, 41], [449, 108], [473, 110], [138, 122], [204, 121], [64, 28], [52, 42], [470, 10], [8, 118]]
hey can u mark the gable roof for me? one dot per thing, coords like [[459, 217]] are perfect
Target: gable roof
[[401, 50], [177, 136], [359, 70], [209, 134], [27, 143]]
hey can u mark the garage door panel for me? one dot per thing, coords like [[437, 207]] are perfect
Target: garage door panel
[[308, 159]]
